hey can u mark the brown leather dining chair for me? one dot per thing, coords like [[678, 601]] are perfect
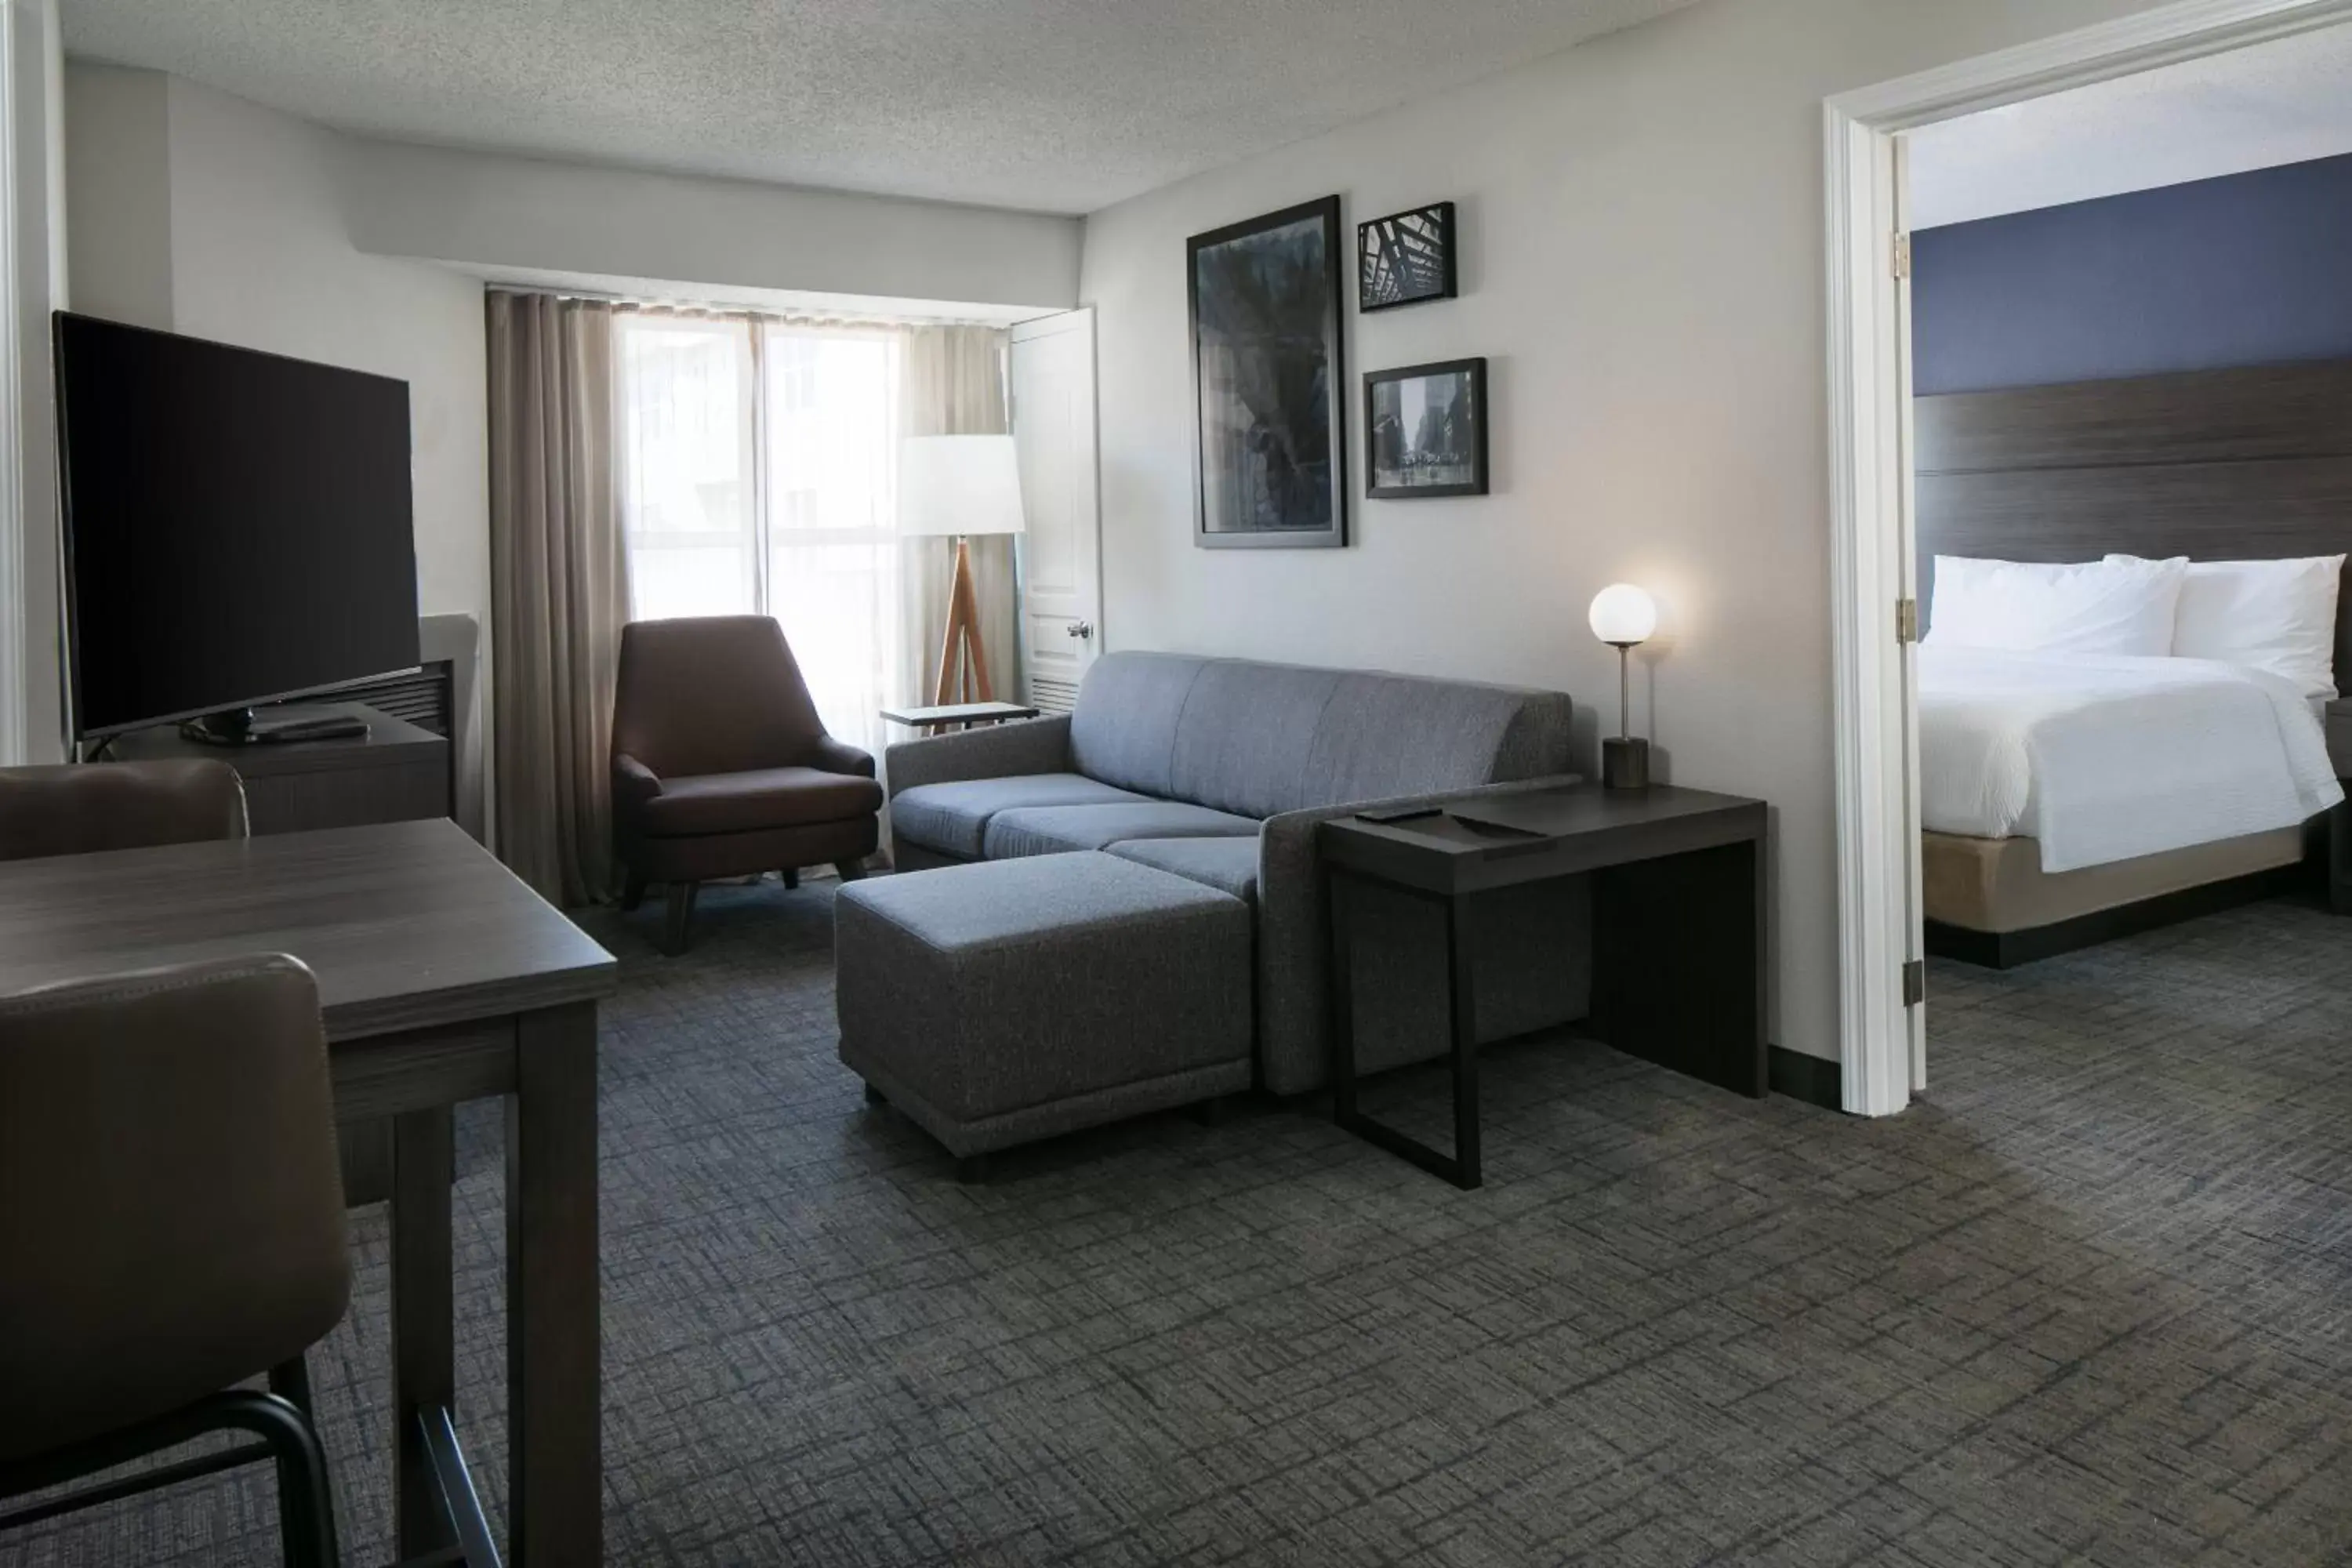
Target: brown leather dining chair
[[173, 1227], [79, 808], [722, 767]]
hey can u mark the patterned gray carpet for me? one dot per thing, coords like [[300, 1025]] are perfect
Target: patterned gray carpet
[[2088, 1304]]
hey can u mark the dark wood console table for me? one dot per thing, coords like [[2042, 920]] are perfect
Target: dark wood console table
[[397, 772], [1678, 928]]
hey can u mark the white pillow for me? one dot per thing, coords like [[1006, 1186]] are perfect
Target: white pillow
[[2278, 616], [2120, 605]]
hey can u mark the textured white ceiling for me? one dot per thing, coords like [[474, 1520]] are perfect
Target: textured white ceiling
[[2279, 102], [1052, 105]]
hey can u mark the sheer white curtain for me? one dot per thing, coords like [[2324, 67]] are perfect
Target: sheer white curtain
[[759, 476]]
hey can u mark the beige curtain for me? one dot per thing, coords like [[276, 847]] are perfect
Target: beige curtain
[[559, 588], [953, 384]]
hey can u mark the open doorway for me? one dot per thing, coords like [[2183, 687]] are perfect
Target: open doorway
[[2074, 446]]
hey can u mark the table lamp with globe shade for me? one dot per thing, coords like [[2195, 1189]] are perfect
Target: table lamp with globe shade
[[1623, 617]]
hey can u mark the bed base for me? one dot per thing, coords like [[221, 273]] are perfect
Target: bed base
[[2008, 949]]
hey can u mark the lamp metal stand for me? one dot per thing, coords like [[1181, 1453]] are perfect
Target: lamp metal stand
[[963, 661], [1625, 759]]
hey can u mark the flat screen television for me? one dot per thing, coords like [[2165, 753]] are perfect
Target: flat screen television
[[237, 528]]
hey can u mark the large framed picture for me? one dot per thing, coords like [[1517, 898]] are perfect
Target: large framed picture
[[1269, 431], [1405, 258], [1425, 431]]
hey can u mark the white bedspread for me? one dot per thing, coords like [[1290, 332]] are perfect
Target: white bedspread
[[2103, 758]]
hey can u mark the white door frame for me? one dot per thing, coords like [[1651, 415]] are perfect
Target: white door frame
[[1871, 543], [15, 607]]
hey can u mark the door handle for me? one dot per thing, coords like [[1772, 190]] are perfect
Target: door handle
[[1081, 628]]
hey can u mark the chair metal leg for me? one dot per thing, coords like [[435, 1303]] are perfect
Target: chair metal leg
[[306, 1512], [792, 876], [290, 1380], [850, 870], [633, 891], [681, 915]]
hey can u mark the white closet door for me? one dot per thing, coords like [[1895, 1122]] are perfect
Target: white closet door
[[1061, 553]]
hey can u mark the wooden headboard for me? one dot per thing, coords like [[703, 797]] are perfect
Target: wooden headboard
[[2216, 465]]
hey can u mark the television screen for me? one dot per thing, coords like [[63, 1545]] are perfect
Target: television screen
[[237, 525]]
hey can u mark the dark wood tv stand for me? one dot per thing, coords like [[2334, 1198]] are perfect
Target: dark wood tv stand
[[396, 772]]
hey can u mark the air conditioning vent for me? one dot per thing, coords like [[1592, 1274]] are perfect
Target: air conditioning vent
[[1053, 696], [422, 698]]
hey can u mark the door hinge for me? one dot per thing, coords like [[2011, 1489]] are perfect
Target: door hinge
[[1902, 255], [1915, 982], [1906, 620]]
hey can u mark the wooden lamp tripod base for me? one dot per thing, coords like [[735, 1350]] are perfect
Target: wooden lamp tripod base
[[963, 661]]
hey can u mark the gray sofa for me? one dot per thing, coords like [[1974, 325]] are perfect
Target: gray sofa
[[1219, 770]]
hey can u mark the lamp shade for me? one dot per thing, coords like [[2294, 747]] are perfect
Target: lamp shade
[[959, 484], [1623, 614]]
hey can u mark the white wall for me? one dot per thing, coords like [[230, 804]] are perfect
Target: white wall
[[487, 209], [1641, 225], [33, 275], [119, 159]]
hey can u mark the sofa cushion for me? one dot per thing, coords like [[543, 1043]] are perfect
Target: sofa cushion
[[1263, 738], [1382, 736], [952, 817], [1228, 865], [1123, 729], [1060, 829], [1247, 734], [758, 799]]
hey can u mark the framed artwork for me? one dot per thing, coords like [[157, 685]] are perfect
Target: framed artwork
[[1425, 431], [1269, 431], [1405, 258]]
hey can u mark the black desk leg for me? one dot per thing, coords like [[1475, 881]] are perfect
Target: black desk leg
[[1462, 1167], [1464, 1002], [1338, 898], [423, 1356]]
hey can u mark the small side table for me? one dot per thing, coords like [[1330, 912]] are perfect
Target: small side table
[[1678, 928], [958, 715]]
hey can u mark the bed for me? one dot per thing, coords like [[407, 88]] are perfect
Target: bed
[[2068, 798]]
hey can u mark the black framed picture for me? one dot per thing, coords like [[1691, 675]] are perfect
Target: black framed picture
[[1425, 430], [1269, 431], [1405, 258]]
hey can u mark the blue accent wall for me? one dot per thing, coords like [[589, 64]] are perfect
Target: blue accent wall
[[2244, 270]]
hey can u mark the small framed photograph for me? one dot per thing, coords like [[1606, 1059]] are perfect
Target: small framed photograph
[[1405, 258], [1425, 431]]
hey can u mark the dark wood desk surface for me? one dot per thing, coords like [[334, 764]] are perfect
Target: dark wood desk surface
[[443, 979], [408, 924], [1493, 841]]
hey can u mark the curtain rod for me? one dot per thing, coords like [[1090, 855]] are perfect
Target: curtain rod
[[748, 313]]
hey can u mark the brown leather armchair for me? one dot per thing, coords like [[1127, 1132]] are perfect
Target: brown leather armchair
[[175, 1226], [79, 808], [722, 767]]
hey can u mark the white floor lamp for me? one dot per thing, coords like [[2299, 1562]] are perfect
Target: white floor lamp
[[960, 485]]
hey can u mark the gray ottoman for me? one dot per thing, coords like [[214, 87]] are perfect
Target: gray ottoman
[[1011, 1000]]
